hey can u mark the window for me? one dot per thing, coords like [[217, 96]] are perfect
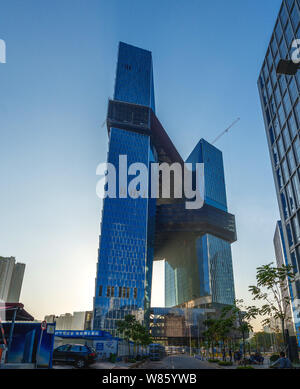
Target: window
[[282, 83], [276, 126], [265, 71], [291, 160], [269, 59], [127, 294], [297, 74], [279, 178], [76, 348], [112, 291], [281, 115], [297, 111], [290, 198], [283, 15], [295, 17], [272, 107], [296, 189], [296, 228], [108, 291], [273, 76], [292, 126], [286, 137], [274, 46], [289, 35], [100, 290], [271, 133], [268, 116], [120, 291], [293, 90], [283, 49], [285, 171], [280, 147], [284, 206], [64, 347], [276, 59], [135, 293], [269, 88], [277, 95], [297, 149], [294, 262], [289, 235], [278, 32], [289, 3], [275, 155], [287, 103]]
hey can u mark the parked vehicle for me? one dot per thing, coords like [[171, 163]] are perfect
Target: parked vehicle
[[76, 354], [156, 351]]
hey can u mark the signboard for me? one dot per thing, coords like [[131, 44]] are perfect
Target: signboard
[[106, 347], [83, 334], [50, 330]]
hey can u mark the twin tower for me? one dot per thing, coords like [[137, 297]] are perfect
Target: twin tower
[[193, 243]]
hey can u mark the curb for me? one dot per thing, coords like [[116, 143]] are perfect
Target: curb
[[136, 364]]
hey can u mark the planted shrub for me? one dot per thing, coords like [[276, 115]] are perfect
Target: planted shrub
[[211, 360], [112, 357], [245, 367], [225, 363]]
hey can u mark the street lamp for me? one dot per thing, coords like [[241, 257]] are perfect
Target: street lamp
[[286, 66]]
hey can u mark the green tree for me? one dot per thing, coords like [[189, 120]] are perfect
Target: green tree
[[263, 340], [131, 330], [218, 329], [242, 322], [235, 322], [125, 328], [271, 286], [211, 333]]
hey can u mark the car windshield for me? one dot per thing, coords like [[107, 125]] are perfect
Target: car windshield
[[64, 347]]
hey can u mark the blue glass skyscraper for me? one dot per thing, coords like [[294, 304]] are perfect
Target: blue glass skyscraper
[[279, 95], [134, 232], [208, 272], [126, 249]]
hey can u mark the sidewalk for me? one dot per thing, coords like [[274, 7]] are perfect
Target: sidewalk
[[265, 365], [110, 365]]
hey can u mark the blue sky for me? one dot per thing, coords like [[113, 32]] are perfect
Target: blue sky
[[61, 58]]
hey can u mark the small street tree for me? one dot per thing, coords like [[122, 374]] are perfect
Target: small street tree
[[218, 329], [211, 333], [131, 330], [126, 329], [239, 317], [271, 288]]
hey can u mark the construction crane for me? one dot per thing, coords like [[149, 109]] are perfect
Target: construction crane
[[226, 130]]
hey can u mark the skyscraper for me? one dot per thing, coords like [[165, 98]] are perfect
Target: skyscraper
[[136, 231], [125, 254], [11, 279], [205, 264], [279, 95]]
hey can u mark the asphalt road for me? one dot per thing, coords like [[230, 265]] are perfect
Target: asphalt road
[[181, 361]]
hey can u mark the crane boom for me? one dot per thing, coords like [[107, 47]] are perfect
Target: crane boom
[[226, 130]]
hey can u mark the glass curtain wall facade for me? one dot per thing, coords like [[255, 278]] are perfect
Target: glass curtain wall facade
[[281, 259], [206, 265], [279, 95], [195, 243], [124, 269]]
